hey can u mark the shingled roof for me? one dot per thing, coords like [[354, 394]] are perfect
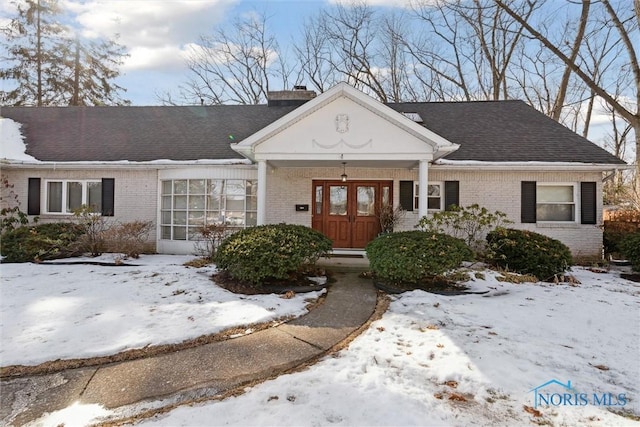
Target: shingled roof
[[492, 131]]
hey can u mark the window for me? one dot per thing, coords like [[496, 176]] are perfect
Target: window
[[556, 202], [65, 196], [187, 204], [434, 200]]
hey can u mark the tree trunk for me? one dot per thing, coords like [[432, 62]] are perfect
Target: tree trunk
[[39, 55]]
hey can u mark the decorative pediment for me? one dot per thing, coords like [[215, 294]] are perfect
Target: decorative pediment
[[347, 124]]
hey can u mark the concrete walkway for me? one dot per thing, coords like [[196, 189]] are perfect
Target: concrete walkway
[[198, 372]]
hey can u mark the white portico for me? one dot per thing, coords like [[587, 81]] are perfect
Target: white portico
[[346, 130]]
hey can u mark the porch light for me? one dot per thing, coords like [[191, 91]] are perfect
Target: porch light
[[344, 172]]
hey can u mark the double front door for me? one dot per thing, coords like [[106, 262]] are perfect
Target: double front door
[[347, 212]]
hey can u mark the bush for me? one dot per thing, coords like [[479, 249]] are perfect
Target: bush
[[630, 249], [619, 225], [94, 227], [527, 252], [270, 252], [128, 238], [470, 223], [413, 256], [210, 237], [41, 242]]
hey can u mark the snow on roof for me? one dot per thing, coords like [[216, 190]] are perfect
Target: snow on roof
[[12, 146]]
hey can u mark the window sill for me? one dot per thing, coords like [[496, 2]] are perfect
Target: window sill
[[568, 224]]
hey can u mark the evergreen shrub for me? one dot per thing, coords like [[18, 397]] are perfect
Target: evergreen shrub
[[413, 256], [528, 252], [267, 252], [630, 248], [41, 242]]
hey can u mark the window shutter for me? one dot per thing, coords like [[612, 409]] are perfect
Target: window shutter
[[451, 194], [406, 195], [33, 197], [528, 204], [108, 187], [588, 203]]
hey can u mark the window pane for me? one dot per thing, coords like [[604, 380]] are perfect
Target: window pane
[[213, 202], [166, 233], [366, 200], [434, 190], [252, 188], [234, 218], [252, 219], [180, 218], [54, 197], [554, 193], [180, 186], [235, 186], [235, 203], [216, 187], [319, 200], [433, 202], [196, 202], [196, 218], [74, 196], [252, 203], [179, 233], [386, 191], [337, 200], [180, 202], [166, 218], [196, 186], [555, 212], [166, 187], [166, 202], [214, 217], [94, 196]]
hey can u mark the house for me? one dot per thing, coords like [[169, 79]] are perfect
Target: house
[[326, 161]]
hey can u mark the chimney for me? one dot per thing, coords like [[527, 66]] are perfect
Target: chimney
[[285, 98]]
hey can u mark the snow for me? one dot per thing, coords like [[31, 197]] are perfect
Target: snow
[[448, 360], [12, 144], [50, 312]]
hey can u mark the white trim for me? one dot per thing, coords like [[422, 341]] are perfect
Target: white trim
[[247, 147], [44, 198], [576, 203], [444, 164], [423, 188], [262, 193]]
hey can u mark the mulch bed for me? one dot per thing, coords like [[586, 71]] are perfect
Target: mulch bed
[[634, 277], [437, 285], [297, 283]]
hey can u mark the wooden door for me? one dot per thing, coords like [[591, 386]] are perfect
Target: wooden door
[[346, 212]]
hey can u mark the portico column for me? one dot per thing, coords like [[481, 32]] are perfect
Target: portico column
[[262, 192], [423, 188]]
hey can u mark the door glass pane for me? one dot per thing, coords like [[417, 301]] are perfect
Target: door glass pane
[[166, 218], [196, 202], [366, 200], [166, 202], [180, 202], [338, 200], [196, 218], [94, 196], [179, 233], [54, 197], [74, 196], [166, 233], [319, 200], [386, 196]]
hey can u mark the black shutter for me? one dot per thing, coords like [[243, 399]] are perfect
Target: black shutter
[[451, 194], [528, 204], [33, 197], [406, 195], [108, 187], [588, 203]]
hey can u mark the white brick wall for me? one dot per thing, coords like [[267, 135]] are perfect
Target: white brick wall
[[494, 190], [136, 193], [135, 198]]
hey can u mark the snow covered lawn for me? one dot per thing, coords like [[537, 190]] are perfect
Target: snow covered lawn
[[50, 312], [465, 360]]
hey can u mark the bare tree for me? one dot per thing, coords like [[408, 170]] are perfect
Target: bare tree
[[238, 66], [624, 25]]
